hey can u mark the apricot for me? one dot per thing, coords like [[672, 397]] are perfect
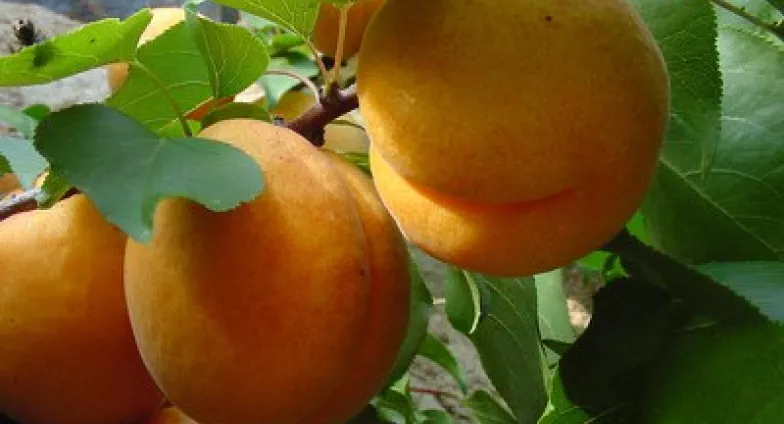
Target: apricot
[[344, 136], [67, 354], [163, 19], [170, 415], [325, 32], [259, 315], [515, 101], [518, 239], [8, 183]]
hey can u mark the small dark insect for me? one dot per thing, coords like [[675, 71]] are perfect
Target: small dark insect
[[26, 35]]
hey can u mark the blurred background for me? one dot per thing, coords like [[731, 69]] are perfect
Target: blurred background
[[90, 10]]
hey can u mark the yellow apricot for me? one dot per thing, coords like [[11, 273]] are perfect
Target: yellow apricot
[[254, 315], [67, 354], [325, 32], [344, 136], [170, 415], [507, 101], [8, 183], [513, 239], [163, 19], [387, 306]]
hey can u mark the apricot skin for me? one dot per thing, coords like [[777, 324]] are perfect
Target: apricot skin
[[170, 415], [514, 239], [8, 183], [67, 354], [387, 306], [506, 101], [256, 315], [325, 32]]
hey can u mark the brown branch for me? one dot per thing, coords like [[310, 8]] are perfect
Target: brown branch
[[22, 202], [333, 105]]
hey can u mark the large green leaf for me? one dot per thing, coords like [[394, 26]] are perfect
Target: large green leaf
[[486, 409], [235, 58], [731, 210], [167, 69], [560, 410], [296, 15], [87, 47], [601, 373], [507, 339], [19, 120], [125, 169], [761, 283], [719, 374]]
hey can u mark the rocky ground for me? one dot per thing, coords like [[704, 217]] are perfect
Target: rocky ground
[[91, 86]]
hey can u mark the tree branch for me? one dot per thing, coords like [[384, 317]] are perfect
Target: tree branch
[[334, 104], [19, 203]]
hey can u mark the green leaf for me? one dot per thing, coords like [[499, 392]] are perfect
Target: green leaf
[[433, 416], [125, 169], [395, 407], [601, 373], [15, 118], [37, 112], [361, 160], [23, 159], [507, 339], [562, 411], [235, 111], [719, 374], [419, 318], [89, 46], [235, 58], [296, 15], [462, 300], [434, 350], [686, 33], [275, 86], [167, 68], [487, 409], [761, 283], [554, 321], [699, 291], [52, 190], [731, 211]]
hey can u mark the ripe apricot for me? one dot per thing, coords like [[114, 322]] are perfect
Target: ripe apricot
[[257, 315], [163, 19], [67, 354], [8, 183], [325, 32], [170, 415], [511, 101], [387, 305], [512, 239]]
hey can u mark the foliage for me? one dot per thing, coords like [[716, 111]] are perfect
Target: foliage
[[687, 327]]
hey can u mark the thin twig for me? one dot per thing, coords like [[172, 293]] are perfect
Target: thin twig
[[19, 203], [308, 83], [335, 104], [741, 12], [434, 392]]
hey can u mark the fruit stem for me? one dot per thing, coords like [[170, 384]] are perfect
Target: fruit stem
[[322, 69], [335, 104], [162, 88], [341, 41], [741, 12]]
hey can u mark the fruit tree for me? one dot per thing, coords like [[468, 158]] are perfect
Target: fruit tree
[[184, 252]]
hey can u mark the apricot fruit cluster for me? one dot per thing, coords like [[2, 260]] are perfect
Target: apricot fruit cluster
[[516, 137]]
